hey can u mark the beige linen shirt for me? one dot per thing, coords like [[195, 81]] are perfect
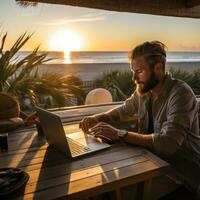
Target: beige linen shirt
[[176, 127]]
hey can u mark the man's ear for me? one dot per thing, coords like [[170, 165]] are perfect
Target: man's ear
[[158, 67]]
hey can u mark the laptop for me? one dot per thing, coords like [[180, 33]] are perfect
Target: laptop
[[73, 144]]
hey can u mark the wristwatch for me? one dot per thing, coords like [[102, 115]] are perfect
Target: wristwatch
[[122, 133]]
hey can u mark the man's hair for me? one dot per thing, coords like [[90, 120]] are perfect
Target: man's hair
[[154, 52]]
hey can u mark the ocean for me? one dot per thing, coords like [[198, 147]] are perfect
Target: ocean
[[90, 65], [83, 57]]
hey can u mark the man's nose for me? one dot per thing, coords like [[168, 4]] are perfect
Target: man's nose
[[134, 77]]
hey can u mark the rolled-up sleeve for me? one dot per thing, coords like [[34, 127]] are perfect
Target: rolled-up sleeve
[[181, 110], [128, 109]]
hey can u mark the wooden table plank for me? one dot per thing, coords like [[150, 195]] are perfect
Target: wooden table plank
[[81, 174], [98, 183], [52, 155], [85, 110]]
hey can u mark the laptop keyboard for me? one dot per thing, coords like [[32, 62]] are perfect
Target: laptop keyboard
[[76, 147]]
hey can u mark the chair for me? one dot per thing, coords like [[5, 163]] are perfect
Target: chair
[[98, 96], [9, 106], [9, 113]]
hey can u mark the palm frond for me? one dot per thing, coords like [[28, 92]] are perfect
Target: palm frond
[[21, 41], [25, 3], [2, 43]]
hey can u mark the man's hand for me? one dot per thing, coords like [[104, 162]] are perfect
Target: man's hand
[[87, 123], [104, 129], [31, 119]]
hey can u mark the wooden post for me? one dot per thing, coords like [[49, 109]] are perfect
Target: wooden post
[[118, 194], [144, 190]]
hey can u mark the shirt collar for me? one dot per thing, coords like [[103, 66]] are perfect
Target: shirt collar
[[168, 83]]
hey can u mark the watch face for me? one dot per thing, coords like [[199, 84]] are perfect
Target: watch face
[[122, 133]]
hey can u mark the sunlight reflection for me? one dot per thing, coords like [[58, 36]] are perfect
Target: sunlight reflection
[[87, 172], [26, 156], [116, 171], [67, 57]]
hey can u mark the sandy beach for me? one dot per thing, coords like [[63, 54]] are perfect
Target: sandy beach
[[90, 71]]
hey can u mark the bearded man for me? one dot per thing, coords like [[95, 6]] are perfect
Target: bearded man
[[167, 112]]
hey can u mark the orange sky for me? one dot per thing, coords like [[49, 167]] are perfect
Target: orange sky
[[94, 30]]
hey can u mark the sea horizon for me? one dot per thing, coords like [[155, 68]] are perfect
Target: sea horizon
[[78, 57]]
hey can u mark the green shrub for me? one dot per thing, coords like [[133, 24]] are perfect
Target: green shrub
[[191, 78]]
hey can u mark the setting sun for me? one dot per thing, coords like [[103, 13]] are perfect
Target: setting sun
[[66, 41]]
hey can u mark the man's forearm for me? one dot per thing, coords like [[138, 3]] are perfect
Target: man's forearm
[[140, 139], [107, 117]]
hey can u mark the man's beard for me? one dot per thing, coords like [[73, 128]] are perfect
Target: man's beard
[[148, 85]]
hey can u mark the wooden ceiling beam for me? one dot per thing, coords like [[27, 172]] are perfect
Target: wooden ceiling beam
[[178, 8], [192, 3]]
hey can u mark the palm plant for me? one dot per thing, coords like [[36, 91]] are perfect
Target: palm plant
[[15, 69], [62, 89], [20, 78], [191, 78], [25, 3], [119, 83]]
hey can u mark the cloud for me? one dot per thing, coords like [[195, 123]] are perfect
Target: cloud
[[97, 14], [27, 14], [88, 18], [190, 48]]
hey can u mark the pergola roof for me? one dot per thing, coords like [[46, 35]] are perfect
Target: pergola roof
[[178, 8]]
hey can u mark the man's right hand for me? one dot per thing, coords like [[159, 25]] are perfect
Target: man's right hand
[[87, 123]]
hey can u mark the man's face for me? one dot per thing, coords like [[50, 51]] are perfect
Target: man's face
[[144, 78]]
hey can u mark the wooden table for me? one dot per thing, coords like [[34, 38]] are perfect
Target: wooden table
[[52, 175]]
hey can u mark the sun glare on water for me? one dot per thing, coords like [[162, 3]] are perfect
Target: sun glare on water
[[66, 41]]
